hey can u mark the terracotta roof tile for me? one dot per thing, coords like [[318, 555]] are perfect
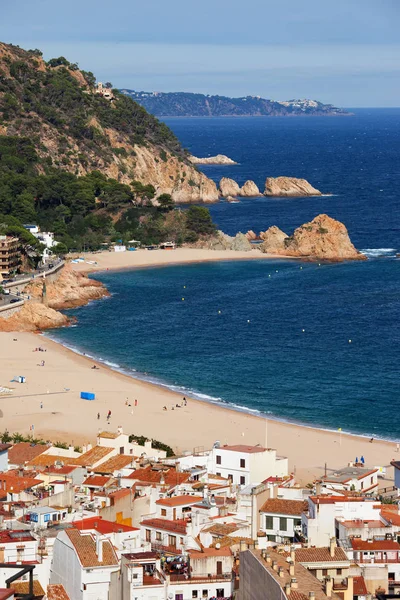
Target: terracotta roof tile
[[310, 555], [177, 526], [49, 460], [102, 525], [15, 484], [391, 516], [22, 587], [149, 476], [207, 552], [56, 591], [93, 456], [359, 587], [222, 528], [358, 544], [179, 500], [284, 507], [85, 547], [97, 481], [115, 463], [22, 453]]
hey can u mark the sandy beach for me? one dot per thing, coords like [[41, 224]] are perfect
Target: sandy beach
[[50, 398]]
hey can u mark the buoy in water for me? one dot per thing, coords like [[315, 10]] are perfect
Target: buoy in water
[[248, 320], [303, 330], [183, 299], [349, 341], [219, 312], [277, 271], [301, 268]]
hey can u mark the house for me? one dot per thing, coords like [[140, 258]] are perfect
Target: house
[[396, 465], [17, 545], [119, 442], [122, 537], [360, 591], [10, 255], [19, 455], [352, 478], [378, 562], [328, 563], [14, 488], [159, 476], [142, 577], [165, 535], [267, 575], [280, 519], [43, 516], [244, 465], [176, 507], [4, 449], [319, 520], [86, 565]]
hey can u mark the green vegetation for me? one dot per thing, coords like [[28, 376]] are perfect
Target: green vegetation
[[141, 439]]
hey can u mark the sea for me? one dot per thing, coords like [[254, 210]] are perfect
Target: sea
[[315, 344]]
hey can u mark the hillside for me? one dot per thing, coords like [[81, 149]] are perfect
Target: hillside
[[73, 128], [182, 104]]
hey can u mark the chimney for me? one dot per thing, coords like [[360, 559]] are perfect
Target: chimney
[[268, 557], [328, 586], [274, 565], [332, 546], [311, 595], [293, 554], [291, 569], [287, 589], [293, 583], [318, 487], [281, 572], [99, 548]]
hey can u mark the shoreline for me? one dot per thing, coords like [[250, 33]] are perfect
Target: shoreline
[[66, 417]]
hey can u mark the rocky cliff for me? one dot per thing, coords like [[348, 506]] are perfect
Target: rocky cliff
[[289, 186], [249, 189], [69, 290], [273, 240], [323, 238], [228, 187], [219, 159], [80, 131]]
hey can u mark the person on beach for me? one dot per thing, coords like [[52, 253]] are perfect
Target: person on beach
[[136, 403], [165, 408], [98, 416], [41, 405], [184, 401]]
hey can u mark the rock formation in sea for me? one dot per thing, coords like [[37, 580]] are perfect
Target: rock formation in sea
[[249, 189], [228, 187], [231, 199], [219, 159], [273, 240], [69, 290], [323, 238], [289, 187], [251, 235], [222, 241]]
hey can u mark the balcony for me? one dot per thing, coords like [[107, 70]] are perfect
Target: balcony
[[377, 561], [340, 585], [200, 577]]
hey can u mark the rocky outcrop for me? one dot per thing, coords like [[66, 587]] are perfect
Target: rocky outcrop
[[228, 187], [33, 316], [249, 189], [230, 199], [289, 187], [220, 159], [69, 290], [251, 235], [273, 240], [222, 241], [323, 238]]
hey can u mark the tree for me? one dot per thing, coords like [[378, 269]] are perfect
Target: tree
[[199, 220], [108, 85], [165, 202]]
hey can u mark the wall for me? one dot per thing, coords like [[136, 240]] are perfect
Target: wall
[[256, 583], [65, 568]]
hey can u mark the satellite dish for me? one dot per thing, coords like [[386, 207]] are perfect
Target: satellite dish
[[170, 596], [218, 546]]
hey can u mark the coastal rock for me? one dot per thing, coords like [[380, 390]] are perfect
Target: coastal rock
[[69, 290], [230, 199], [220, 159], [240, 243], [228, 187], [289, 186], [33, 316], [273, 240], [249, 189], [323, 238], [251, 235]]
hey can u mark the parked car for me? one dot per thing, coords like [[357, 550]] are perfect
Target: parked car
[[14, 300]]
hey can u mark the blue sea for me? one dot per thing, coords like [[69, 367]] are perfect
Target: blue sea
[[302, 342]]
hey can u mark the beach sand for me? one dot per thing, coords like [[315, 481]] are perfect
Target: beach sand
[[65, 417]]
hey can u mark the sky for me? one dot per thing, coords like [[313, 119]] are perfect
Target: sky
[[344, 52]]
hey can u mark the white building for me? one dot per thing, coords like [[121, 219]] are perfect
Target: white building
[[119, 441], [352, 478], [319, 521], [85, 564], [280, 519], [247, 464]]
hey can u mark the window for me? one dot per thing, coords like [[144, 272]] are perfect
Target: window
[[338, 571], [20, 554], [134, 575], [148, 535], [195, 594], [324, 572], [362, 485], [172, 540], [220, 593], [242, 480], [230, 477], [178, 596], [297, 523], [242, 463], [218, 460], [372, 481], [218, 474], [163, 512], [204, 594], [269, 522], [181, 541], [158, 536], [283, 524]]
